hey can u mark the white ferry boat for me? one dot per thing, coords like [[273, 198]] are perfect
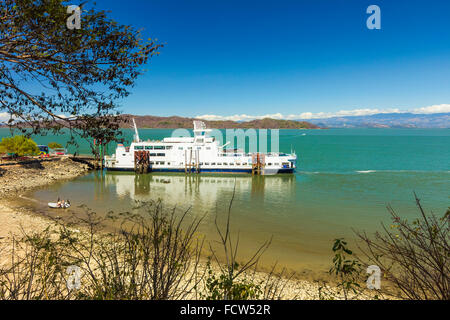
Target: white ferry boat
[[197, 154]]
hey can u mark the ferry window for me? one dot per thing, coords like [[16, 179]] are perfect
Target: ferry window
[[208, 148], [139, 148], [231, 164], [213, 164], [159, 147], [162, 162], [277, 164], [180, 148], [152, 154], [169, 148], [189, 148], [160, 154], [168, 163], [238, 164], [206, 163], [219, 164], [270, 164], [151, 162], [148, 147], [199, 148], [124, 154], [225, 164], [201, 163]]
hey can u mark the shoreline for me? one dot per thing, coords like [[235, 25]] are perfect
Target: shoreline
[[18, 178]]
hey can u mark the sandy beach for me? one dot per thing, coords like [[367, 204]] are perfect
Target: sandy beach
[[15, 179]]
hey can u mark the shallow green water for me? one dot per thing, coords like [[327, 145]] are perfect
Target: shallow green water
[[345, 179]]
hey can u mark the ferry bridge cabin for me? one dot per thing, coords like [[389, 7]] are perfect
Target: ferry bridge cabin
[[197, 154]]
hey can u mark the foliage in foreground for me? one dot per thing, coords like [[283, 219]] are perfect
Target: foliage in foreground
[[413, 255], [238, 280], [147, 257]]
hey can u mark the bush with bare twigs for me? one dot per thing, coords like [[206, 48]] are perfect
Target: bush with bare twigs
[[149, 256], [413, 255], [237, 280]]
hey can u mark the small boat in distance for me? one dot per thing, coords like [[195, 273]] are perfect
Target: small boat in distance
[[201, 153]]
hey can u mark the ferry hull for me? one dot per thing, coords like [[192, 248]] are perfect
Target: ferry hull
[[206, 170]]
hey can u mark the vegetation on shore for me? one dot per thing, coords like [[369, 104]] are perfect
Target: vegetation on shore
[[18, 146], [55, 145], [413, 255]]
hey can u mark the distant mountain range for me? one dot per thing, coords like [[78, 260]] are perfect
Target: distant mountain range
[[387, 120], [175, 122], [181, 122], [381, 120]]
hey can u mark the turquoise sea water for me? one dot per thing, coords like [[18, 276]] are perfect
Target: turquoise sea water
[[345, 179]]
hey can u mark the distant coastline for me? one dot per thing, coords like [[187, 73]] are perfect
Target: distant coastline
[[175, 122], [381, 120]]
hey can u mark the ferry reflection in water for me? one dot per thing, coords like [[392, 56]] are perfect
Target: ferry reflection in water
[[202, 192]]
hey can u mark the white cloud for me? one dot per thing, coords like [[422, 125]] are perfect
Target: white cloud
[[442, 108], [439, 108], [4, 117]]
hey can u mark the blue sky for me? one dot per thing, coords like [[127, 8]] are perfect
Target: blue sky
[[227, 57]]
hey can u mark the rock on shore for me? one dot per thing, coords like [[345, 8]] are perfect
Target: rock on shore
[[21, 177]]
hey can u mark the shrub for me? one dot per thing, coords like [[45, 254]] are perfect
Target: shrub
[[224, 287], [346, 269], [236, 281], [19, 146], [55, 145], [148, 257], [414, 256]]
